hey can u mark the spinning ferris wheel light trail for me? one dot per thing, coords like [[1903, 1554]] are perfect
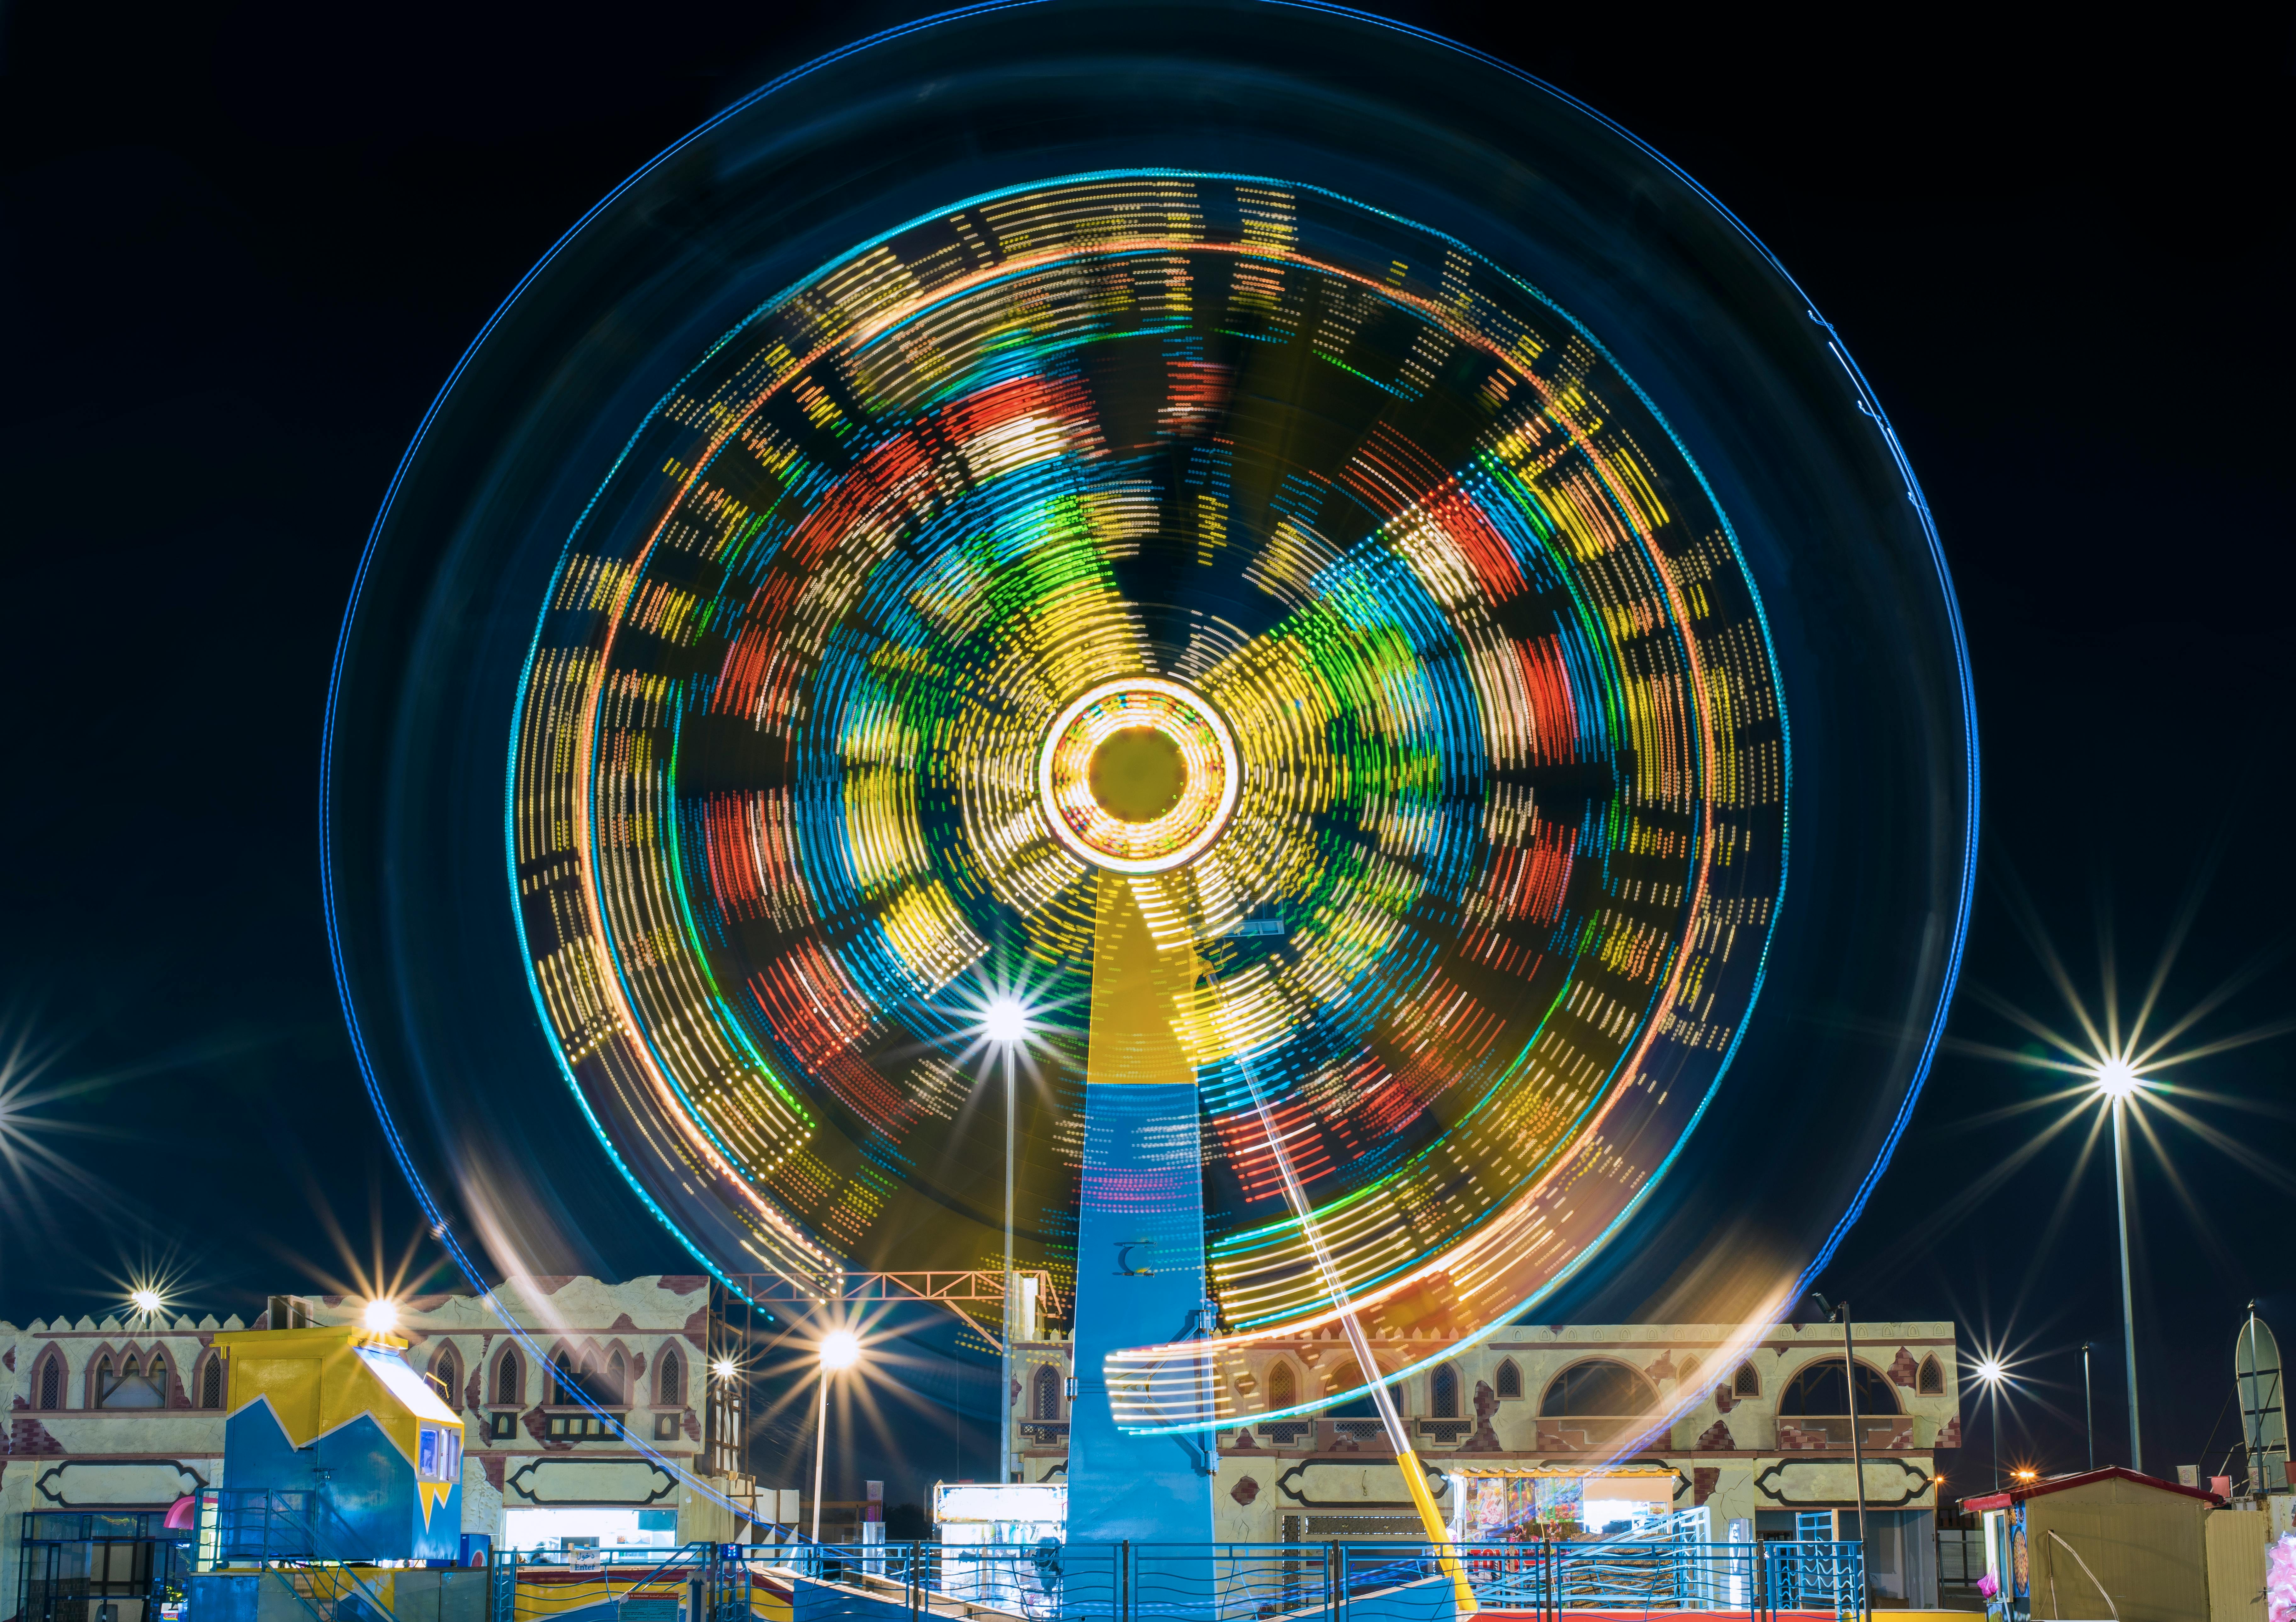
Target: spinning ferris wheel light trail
[[1289, 678]]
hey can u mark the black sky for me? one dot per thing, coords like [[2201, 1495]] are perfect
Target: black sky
[[241, 248]]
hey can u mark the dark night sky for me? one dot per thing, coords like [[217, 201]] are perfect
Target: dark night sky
[[241, 247]]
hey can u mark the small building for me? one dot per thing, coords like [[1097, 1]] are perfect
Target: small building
[[115, 1421], [2106, 1542], [1759, 1436], [338, 1407]]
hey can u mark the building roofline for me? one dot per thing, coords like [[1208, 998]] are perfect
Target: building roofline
[[2058, 1483]]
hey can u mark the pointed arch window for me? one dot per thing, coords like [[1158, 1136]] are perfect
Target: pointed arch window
[[1045, 1393], [1745, 1382], [1283, 1388], [131, 1387], [1508, 1383], [507, 1379], [444, 1371], [1930, 1381], [1443, 1393], [669, 1380], [617, 1382], [212, 1383], [562, 1379], [52, 1381]]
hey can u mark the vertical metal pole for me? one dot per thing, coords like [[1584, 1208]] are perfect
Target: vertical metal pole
[[2089, 1406], [1994, 1391], [1005, 1383], [2127, 1295], [1856, 1448], [820, 1446], [2255, 1432]]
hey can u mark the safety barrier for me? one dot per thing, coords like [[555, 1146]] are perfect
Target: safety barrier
[[1127, 1581]]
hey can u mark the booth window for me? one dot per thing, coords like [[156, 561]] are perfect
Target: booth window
[[1508, 1382], [439, 1454]]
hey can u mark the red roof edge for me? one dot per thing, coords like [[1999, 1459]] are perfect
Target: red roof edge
[[2057, 1484]]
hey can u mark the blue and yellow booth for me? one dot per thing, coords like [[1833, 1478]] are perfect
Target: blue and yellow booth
[[337, 1419]]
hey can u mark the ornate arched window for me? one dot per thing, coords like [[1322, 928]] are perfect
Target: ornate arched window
[[1443, 1393], [1745, 1382], [1508, 1382], [444, 1370], [1283, 1388], [1818, 1388], [562, 1379], [1931, 1377], [618, 1380], [211, 1382], [130, 1387], [1045, 1393], [1597, 1388], [50, 1384], [669, 1380], [507, 1380]]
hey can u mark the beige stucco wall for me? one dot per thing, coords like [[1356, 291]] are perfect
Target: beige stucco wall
[[1691, 1367]]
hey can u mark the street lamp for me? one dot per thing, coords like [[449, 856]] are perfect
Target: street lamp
[[2117, 1080], [1006, 1023], [840, 1349], [1991, 1374]]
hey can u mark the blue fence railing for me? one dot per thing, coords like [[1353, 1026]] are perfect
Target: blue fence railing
[[1121, 1582]]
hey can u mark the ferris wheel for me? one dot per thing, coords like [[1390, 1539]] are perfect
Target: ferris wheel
[[1293, 589]]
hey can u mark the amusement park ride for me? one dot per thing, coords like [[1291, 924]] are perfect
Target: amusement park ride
[[1179, 666]]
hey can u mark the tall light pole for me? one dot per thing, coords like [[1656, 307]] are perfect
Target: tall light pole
[[2089, 1406], [2117, 1080], [1004, 1022], [1989, 1375], [840, 1349]]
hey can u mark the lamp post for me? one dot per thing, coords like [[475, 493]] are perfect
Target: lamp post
[[840, 1349], [2117, 1080], [1856, 1445], [1990, 1373], [2088, 1406], [1004, 1022]]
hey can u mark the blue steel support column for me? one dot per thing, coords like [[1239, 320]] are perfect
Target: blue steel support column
[[1140, 1282]]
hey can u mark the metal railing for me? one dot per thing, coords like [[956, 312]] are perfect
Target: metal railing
[[1128, 1582], [710, 1582]]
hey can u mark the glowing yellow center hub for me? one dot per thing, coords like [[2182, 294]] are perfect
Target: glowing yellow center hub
[[1138, 775]]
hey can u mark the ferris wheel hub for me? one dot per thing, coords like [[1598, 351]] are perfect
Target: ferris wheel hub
[[1138, 775]]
